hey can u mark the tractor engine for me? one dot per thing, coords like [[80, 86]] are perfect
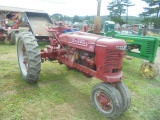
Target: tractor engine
[[94, 55]]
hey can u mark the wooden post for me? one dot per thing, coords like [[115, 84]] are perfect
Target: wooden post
[[98, 20], [99, 7]]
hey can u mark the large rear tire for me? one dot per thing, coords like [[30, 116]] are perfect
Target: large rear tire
[[29, 57], [107, 100]]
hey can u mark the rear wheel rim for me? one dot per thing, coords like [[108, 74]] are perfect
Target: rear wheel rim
[[23, 59], [149, 70]]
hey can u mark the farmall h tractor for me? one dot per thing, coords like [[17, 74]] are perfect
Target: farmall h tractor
[[93, 55]]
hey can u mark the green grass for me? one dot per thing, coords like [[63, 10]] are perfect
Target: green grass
[[66, 95]]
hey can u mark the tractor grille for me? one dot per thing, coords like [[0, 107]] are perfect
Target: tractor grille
[[150, 47], [112, 61]]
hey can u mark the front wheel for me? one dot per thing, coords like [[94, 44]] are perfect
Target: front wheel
[[125, 94], [107, 100], [29, 57]]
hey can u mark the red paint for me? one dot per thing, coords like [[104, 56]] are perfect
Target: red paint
[[101, 56], [85, 28], [104, 101], [25, 60]]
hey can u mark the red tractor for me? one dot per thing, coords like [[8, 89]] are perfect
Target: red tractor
[[93, 55], [8, 26]]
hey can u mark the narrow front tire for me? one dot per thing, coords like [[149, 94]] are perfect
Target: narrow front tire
[[107, 100]]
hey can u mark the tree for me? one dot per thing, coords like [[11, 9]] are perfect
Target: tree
[[117, 8], [57, 17], [87, 18], [76, 18], [65, 17], [152, 13]]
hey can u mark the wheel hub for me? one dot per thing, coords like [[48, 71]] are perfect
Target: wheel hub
[[25, 59], [104, 101], [149, 70]]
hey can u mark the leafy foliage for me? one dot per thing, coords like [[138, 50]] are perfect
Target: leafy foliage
[[131, 19], [59, 17], [76, 18], [117, 8], [65, 17], [87, 18], [152, 13]]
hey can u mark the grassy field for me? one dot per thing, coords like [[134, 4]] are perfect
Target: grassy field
[[66, 95]]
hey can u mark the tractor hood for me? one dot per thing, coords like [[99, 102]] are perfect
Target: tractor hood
[[88, 41]]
